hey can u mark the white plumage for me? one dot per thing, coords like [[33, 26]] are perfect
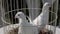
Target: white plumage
[[42, 19], [24, 26]]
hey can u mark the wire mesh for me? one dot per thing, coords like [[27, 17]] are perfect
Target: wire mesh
[[31, 8]]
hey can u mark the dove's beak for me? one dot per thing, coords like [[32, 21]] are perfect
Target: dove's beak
[[15, 16]]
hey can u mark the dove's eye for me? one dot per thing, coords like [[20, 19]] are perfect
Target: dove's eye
[[18, 14]]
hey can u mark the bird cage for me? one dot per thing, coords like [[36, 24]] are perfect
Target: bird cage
[[31, 9]]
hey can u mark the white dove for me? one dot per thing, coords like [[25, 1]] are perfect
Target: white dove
[[24, 26], [42, 20]]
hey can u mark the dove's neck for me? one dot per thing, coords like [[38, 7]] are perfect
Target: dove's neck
[[22, 20], [45, 11], [45, 16]]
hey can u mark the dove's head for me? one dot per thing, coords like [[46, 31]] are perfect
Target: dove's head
[[46, 6], [20, 15]]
